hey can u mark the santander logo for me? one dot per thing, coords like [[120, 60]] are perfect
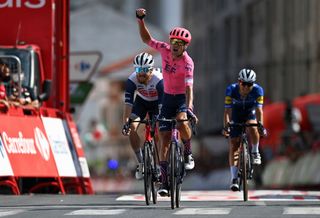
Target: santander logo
[[19, 4], [42, 144]]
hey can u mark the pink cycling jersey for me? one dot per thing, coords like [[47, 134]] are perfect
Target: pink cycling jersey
[[177, 74]]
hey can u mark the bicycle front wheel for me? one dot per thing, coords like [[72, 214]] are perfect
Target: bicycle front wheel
[[172, 173], [244, 175], [147, 176], [154, 175], [179, 174]]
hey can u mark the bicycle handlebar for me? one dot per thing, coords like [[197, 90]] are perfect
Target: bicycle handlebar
[[172, 120], [152, 122], [192, 122], [141, 121], [243, 124]]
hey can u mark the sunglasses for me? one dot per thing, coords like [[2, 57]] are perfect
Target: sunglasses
[[246, 84], [177, 42], [142, 69]]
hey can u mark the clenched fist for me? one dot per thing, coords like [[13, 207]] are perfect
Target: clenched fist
[[141, 13]]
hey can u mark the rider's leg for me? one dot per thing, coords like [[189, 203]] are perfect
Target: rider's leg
[[234, 157], [186, 134], [233, 162], [135, 142], [165, 137], [254, 136], [138, 113]]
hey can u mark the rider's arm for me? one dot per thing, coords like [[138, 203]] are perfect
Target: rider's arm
[[160, 91], [259, 115], [189, 97], [227, 116], [127, 112], [259, 105], [189, 67], [144, 32], [129, 97]]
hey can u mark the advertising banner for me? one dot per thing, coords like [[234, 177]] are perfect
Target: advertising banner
[[78, 147], [5, 166], [27, 147], [59, 145]]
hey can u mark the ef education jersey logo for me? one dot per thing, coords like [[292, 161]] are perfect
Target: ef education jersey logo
[[42, 144]]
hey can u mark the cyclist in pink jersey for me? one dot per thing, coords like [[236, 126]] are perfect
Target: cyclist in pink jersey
[[177, 102]]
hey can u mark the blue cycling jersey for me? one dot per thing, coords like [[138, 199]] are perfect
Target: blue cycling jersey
[[243, 108]]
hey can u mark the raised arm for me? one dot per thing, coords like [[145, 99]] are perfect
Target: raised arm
[[144, 32]]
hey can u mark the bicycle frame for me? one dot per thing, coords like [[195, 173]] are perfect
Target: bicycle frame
[[150, 157], [176, 163], [245, 169]]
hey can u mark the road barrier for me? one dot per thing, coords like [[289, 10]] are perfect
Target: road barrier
[[285, 173], [40, 151]]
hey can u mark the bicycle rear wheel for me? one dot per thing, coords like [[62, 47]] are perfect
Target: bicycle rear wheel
[[147, 176], [244, 174], [172, 176]]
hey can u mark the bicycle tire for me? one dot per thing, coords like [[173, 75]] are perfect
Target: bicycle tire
[[147, 173], [244, 170], [172, 173], [154, 172], [179, 174]]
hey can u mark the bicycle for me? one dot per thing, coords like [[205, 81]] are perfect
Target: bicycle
[[151, 172], [245, 171], [176, 169]]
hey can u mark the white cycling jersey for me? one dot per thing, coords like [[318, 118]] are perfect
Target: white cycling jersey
[[147, 92]]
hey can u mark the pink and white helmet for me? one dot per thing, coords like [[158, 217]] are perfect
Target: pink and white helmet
[[180, 33]]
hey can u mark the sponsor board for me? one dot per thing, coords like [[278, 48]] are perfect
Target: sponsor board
[[27, 147], [84, 167], [59, 146], [79, 149], [5, 169]]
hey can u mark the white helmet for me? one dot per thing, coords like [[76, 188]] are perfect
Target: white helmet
[[143, 60], [247, 75]]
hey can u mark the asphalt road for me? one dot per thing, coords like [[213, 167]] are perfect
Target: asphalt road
[[224, 204]]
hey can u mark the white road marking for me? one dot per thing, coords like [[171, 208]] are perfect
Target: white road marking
[[255, 196], [301, 210], [9, 212], [96, 212], [203, 211]]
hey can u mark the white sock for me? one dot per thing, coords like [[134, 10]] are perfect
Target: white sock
[[255, 148]]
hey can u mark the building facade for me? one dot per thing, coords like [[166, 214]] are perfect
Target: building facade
[[279, 39]]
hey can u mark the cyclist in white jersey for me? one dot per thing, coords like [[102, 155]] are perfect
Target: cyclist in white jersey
[[147, 83]]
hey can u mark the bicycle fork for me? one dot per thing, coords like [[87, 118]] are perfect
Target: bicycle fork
[[249, 166]]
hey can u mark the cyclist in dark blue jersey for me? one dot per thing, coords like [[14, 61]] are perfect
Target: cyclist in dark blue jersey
[[243, 104]]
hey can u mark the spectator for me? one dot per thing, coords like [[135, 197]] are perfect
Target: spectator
[[4, 78], [22, 94]]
